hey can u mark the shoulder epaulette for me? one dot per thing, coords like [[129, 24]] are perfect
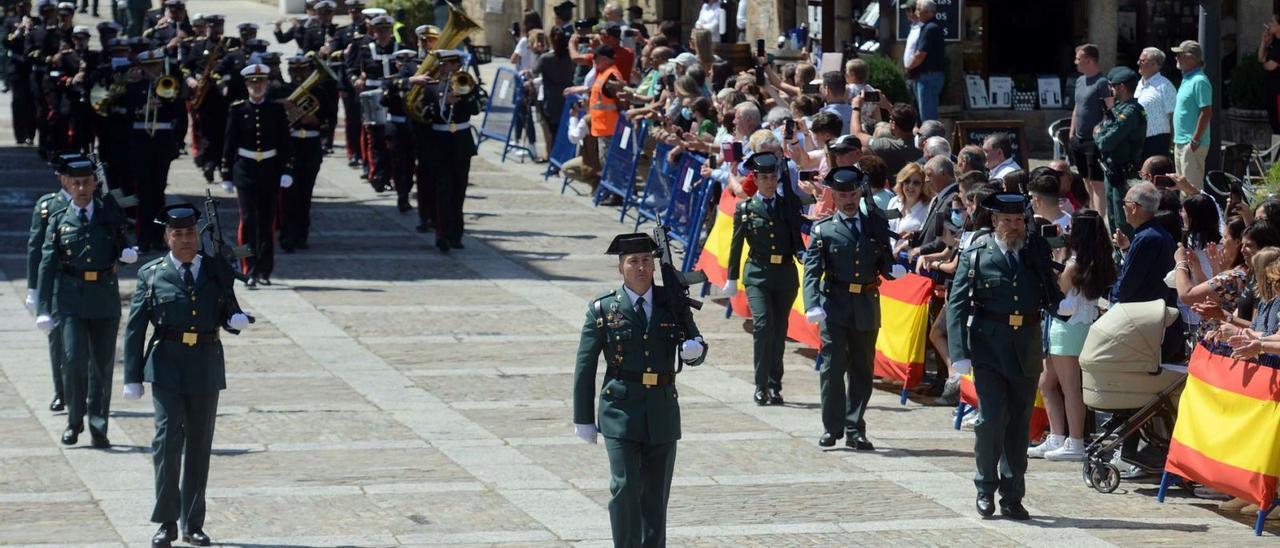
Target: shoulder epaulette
[[605, 295], [153, 263], [237, 102]]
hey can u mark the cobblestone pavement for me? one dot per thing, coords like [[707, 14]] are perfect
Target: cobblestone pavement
[[393, 396]]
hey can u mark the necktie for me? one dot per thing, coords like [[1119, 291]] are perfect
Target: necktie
[[768, 204], [84, 217], [853, 227], [1013, 260], [640, 310], [187, 277]]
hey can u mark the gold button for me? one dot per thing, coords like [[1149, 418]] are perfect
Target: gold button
[[1015, 298], [89, 260], [646, 353], [193, 312], [646, 337]]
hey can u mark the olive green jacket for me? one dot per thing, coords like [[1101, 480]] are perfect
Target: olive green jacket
[[835, 258], [46, 207], [70, 250], [773, 241], [1120, 137]]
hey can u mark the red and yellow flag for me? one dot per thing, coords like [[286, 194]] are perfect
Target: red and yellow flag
[[1228, 431], [1039, 416]]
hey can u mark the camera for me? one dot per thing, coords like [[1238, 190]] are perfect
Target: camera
[[1163, 181], [582, 25], [1050, 231], [871, 96]]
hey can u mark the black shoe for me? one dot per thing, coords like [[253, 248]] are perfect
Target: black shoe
[[456, 244], [165, 535], [196, 538], [353, 163], [986, 507], [208, 175], [264, 280], [760, 398], [402, 203], [95, 13], [828, 439], [56, 404], [1014, 510], [442, 245], [287, 248], [612, 200], [303, 245], [70, 436], [859, 442], [423, 228], [82, 10], [252, 283], [100, 441], [775, 396]]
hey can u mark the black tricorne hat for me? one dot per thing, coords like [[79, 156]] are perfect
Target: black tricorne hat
[[182, 215], [636, 242], [762, 162], [74, 165], [845, 179], [1006, 202]]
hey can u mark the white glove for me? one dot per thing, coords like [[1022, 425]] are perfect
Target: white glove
[[133, 391], [239, 321], [897, 271], [31, 301], [962, 367], [691, 349], [730, 288], [815, 314], [586, 431], [129, 255], [44, 322], [286, 181], [227, 186]]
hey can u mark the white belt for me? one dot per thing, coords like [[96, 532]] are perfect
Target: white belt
[[304, 133], [396, 119], [159, 125], [451, 127], [257, 155], [373, 83]]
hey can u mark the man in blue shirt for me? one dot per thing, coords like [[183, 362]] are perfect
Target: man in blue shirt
[[833, 92], [1191, 113], [1148, 258], [928, 66]]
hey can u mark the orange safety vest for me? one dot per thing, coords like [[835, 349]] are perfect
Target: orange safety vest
[[604, 110]]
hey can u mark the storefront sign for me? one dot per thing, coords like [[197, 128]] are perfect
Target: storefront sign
[[948, 17], [973, 132]]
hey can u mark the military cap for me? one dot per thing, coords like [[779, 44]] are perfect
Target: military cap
[[182, 215], [845, 179], [448, 55], [626, 244], [428, 31], [326, 4], [256, 44], [356, 3], [198, 20], [762, 162], [247, 26], [270, 58], [151, 56], [383, 21], [1006, 202], [46, 4], [605, 51], [108, 26], [66, 7], [212, 18], [562, 8], [256, 71], [80, 30], [74, 165], [373, 12], [118, 43], [175, 3], [405, 53], [845, 143], [1123, 75]]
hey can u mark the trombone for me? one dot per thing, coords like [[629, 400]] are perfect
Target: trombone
[[164, 88]]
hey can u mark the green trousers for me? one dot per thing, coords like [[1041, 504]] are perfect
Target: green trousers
[[56, 358], [1117, 186], [770, 310], [184, 431], [1004, 414], [640, 484], [846, 351], [89, 353]]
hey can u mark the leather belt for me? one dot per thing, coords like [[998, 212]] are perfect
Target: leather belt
[[769, 259], [189, 338], [1012, 320], [87, 275], [257, 155], [159, 125], [451, 128], [842, 287], [304, 133], [649, 379], [396, 119]]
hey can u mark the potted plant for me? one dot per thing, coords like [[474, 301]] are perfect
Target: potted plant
[[1246, 120]]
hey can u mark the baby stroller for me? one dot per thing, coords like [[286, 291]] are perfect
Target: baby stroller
[[1121, 375]]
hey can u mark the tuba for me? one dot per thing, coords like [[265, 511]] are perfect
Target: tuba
[[302, 103], [455, 31]]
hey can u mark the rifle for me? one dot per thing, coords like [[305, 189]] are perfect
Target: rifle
[[115, 195], [677, 283], [221, 248]]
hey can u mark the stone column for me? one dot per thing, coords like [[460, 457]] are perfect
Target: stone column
[[1103, 30]]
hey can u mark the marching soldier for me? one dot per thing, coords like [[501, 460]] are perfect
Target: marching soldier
[[343, 40], [371, 66], [428, 35], [848, 253], [208, 104], [47, 206], [168, 23], [187, 297], [256, 156], [78, 287], [155, 105], [307, 141], [298, 28], [68, 97], [449, 145], [321, 31], [237, 58], [23, 101], [399, 128], [1120, 137], [993, 321], [43, 41], [770, 225], [639, 333]]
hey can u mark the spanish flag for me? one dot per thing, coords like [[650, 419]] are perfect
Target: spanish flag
[[904, 305], [1039, 416], [1228, 431]]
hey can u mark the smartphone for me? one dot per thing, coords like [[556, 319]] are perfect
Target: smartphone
[[760, 48], [759, 77], [809, 89], [670, 84], [808, 174], [731, 153], [789, 129], [891, 214], [1050, 231], [1163, 181], [871, 95]]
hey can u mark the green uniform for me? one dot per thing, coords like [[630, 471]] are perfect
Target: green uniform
[[1119, 138], [842, 269], [78, 286], [639, 414], [183, 361], [773, 236], [46, 207], [993, 320]]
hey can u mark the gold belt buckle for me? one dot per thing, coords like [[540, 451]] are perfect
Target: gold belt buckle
[[190, 339], [649, 379], [90, 276], [775, 259], [1015, 320], [257, 155], [856, 289]]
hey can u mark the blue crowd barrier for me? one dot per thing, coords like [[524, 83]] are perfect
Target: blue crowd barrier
[[499, 121], [687, 207], [619, 173], [657, 186], [563, 149]]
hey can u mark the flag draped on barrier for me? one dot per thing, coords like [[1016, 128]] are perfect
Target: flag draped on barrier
[[1228, 431], [904, 304], [1039, 416]]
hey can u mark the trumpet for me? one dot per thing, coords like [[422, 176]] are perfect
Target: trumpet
[[462, 83]]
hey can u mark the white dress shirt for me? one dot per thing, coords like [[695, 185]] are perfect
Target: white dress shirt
[[1158, 97], [1003, 168], [709, 18]]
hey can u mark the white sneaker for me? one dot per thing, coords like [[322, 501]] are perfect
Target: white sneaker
[[970, 421], [1072, 450], [1051, 443]]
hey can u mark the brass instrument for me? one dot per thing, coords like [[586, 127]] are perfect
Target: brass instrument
[[462, 83], [302, 103], [101, 98], [458, 27], [165, 88], [206, 76]]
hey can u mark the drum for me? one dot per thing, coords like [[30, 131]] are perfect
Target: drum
[[373, 110]]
